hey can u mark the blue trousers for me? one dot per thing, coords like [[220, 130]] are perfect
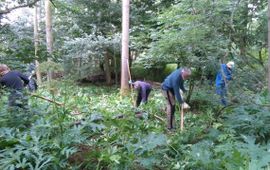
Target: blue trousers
[[222, 92]]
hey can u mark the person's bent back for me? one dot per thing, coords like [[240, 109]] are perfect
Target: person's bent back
[[14, 81], [170, 89], [144, 90]]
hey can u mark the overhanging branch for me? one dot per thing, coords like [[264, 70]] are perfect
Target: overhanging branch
[[8, 10]]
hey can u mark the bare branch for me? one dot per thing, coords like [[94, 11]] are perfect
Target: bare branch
[[8, 10], [47, 99]]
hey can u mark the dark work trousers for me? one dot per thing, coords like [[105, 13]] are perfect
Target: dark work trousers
[[17, 99], [139, 97], [170, 108]]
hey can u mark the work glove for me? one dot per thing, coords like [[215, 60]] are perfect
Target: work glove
[[181, 93], [185, 106]]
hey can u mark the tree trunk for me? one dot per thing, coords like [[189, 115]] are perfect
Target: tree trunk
[[269, 47], [125, 44], [79, 65], [49, 36], [115, 70], [36, 40], [241, 41], [107, 68]]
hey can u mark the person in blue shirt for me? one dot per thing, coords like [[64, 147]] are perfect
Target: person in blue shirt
[[171, 89], [143, 89], [223, 76], [14, 81]]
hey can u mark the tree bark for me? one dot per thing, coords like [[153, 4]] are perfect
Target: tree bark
[[49, 36], [125, 48], [107, 68], [36, 41], [269, 47], [78, 61], [115, 70]]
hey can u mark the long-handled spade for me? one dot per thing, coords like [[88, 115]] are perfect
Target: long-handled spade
[[181, 111], [184, 106], [130, 79], [182, 117]]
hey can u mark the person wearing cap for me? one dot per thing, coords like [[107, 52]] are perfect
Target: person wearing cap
[[14, 81], [143, 89], [171, 87], [223, 76]]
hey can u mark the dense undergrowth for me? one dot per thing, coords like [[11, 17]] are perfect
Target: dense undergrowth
[[97, 129]]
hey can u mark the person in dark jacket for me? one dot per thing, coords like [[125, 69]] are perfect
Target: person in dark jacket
[[223, 76], [14, 81], [143, 89], [171, 90]]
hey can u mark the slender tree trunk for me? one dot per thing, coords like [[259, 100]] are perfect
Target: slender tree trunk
[[115, 69], [243, 32], [79, 64], [49, 36], [36, 40], [107, 69], [125, 45], [269, 47]]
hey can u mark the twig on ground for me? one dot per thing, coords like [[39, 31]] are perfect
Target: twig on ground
[[47, 99]]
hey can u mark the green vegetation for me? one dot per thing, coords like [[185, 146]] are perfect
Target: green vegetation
[[90, 126], [88, 132]]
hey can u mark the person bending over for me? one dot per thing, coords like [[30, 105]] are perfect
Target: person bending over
[[170, 89]]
